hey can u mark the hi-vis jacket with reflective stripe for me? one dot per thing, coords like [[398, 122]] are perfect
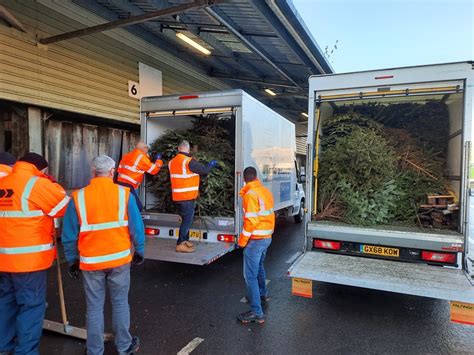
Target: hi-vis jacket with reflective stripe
[[133, 167], [184, 183], [259, 218], [28, 205], [104, 239], [5, 170]]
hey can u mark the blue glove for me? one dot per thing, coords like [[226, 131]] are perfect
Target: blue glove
[[158, 156], [212, 164]]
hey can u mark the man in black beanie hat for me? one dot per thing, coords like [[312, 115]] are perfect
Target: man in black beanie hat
[[29, 203], [6, 162]]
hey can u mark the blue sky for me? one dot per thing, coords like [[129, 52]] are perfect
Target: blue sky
[[376, 34]]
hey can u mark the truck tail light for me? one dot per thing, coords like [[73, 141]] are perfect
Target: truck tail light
[[229, 238], [326, 244], [188, 97], [152, 231], [449, 258]]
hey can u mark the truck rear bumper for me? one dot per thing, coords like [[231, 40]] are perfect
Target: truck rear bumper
[[392, 276], [398, 237]]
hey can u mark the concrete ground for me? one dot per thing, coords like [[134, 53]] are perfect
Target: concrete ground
[[173, 304]]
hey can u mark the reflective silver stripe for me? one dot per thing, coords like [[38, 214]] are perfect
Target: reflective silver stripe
[[152, 167], [27, 250], [103, 226], [137, 161], [128, 178], [86, 227], [262, 232], [25, 208], [183, 176], [186, 189], [261, 213], [251, 214], [131, 168], [247, 234], [3, 174], [262, 204], [59, 206], [185, 172], [104, 258]]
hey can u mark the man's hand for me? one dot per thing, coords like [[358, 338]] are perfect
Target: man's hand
[[74, 271], [212, 164], [138, 259], [158, 156]]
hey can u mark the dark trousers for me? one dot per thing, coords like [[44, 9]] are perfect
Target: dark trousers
[[134, 193], [22, 308], [186, 212]]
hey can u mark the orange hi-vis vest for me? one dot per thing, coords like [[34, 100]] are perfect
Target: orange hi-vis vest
[[184, 183], [259, 218], [104, 239], [28, 205], [5, 170], [133, 167]]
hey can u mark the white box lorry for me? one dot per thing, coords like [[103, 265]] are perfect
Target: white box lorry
[[415, 261], [263, 139]]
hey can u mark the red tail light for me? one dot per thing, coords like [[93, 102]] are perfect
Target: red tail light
[[326, 244], [188, 97], [229, 238], [436, 257], [152, 231]]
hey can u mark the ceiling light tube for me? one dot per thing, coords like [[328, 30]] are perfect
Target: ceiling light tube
[[193, 43], [270, 92]]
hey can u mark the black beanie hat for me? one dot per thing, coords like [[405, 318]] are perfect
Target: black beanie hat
[[35, 159], [7, 159]]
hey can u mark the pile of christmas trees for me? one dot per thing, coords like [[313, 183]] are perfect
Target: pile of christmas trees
[[211, 138], [378, 163]]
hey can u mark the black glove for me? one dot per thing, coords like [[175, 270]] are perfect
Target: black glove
[[74, 271], [138, 259]]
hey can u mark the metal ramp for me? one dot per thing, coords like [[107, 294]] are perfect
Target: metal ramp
[[164, 250], [392, 276]]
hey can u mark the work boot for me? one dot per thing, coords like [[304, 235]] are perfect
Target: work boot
[[184, 248], [189, 244], [134, 346], [251, 317]]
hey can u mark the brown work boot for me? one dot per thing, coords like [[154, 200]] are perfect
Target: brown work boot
[[189, 244], [184, 248]]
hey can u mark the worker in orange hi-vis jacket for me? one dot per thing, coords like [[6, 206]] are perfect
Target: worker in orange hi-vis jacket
[[6, 162], [133, 167], [29, 202], [256, 237]]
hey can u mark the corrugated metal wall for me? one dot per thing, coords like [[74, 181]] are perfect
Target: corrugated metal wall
[[86, 75], [301, 137], [71, 146]]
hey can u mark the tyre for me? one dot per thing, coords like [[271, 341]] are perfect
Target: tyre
[[298, 218]]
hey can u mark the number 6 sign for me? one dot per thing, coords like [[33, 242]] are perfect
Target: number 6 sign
[[133, 89]]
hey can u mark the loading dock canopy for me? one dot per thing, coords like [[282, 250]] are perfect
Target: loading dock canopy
[[254, 44]]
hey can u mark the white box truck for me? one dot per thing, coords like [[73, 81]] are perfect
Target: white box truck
[[263, 139], [426, 262]]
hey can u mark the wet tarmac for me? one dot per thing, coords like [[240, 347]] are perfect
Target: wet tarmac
[[173, 304]]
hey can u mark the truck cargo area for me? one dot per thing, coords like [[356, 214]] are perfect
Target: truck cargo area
[[164, 250], [385, 275]]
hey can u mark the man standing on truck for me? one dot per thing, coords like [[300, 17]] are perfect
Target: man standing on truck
[[133, 167], [99, 227], [256, 237], [184, 174]]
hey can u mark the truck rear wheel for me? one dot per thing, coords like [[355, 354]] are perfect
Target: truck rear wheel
[[298, 218]]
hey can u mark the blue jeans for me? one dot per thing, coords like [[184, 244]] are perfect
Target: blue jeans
[[134, 193], [254, 272], [22, 308], [186, 211], [95, 282]]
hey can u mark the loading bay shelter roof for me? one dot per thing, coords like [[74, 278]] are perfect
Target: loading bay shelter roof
[[254, 44]]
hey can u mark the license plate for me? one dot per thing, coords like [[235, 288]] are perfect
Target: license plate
[[376, 250], [192, 233]]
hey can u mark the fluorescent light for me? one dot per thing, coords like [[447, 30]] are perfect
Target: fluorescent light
[[270, 92], [304, 114], [193, 43]]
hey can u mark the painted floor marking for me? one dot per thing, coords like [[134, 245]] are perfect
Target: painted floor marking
[[294, 257], [193, 344]]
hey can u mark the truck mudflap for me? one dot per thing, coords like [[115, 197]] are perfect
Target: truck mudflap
[[206, 252], [392, 276]]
